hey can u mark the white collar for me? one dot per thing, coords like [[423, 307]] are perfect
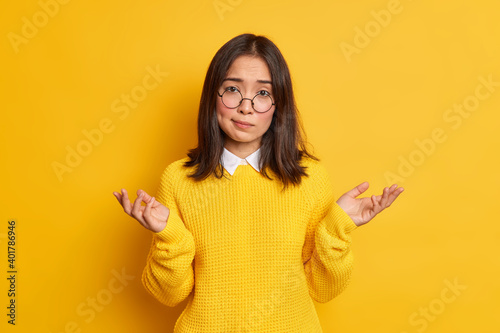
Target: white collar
[[230, 161]]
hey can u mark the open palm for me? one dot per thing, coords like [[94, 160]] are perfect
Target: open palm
[[362, 210], [153, 216]]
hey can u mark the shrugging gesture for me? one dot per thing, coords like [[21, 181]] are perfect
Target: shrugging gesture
[[362, 210]]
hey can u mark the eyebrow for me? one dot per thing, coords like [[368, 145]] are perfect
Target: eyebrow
[[241, 80]]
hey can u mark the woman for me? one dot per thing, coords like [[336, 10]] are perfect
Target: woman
[[246, 226]]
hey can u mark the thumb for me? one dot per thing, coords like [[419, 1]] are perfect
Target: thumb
[[358, 189]]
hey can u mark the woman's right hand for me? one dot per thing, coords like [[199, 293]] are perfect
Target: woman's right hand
[[153, 216]]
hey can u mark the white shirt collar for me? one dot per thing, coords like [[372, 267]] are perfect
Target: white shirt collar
[[230, 161]]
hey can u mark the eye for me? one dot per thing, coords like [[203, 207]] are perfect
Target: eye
[[263, 93], [231, 89]]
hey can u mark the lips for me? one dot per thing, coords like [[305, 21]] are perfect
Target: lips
[[242, 123]]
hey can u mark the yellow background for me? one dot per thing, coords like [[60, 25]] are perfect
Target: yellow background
[[362, 112]]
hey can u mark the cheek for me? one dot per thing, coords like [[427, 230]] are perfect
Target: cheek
[[267, 119], [222, 108], [222, 112]]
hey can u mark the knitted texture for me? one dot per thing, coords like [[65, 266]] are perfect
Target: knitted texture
[[248, 256]]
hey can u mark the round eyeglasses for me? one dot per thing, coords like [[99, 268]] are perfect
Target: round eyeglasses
[[232, 98]]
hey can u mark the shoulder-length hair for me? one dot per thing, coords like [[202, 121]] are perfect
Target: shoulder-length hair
[[282, 146]]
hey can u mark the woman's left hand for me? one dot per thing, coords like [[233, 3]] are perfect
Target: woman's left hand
[[362, 210]]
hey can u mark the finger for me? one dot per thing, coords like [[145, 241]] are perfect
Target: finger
[[376, 205], [147, 211], [394, 188], [358, 189], [146, 197], [394, 195], [385, 197], [394, 192], [127, 206], [136, 209], [118, 197]]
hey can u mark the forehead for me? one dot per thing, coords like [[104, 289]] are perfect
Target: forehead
[[251, 68]]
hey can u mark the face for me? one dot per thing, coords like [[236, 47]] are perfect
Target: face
[[243, 126]]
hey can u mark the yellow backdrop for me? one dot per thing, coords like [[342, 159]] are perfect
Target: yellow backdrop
[[100, 95]]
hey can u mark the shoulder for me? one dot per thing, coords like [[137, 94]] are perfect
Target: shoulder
[[317, 183], [314, 169], [178, 166], [176, 171]]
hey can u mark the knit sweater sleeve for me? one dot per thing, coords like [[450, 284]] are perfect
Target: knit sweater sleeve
[[168, 274], [327, 255]]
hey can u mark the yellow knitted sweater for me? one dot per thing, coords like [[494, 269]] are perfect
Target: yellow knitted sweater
[[250, 257]]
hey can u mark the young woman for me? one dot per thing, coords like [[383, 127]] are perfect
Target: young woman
[[246, 226]]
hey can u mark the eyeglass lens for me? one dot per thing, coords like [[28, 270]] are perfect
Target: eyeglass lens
[[260, 103]]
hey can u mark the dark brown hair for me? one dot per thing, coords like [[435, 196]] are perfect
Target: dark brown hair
[[282, 146]]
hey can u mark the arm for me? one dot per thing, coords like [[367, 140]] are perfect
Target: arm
[[327, 255], [169, 274]]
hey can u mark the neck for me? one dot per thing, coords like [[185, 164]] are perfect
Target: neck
[[240, 149]]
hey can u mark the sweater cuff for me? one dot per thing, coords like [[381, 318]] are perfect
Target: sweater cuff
[[340, 221], [174, 231]]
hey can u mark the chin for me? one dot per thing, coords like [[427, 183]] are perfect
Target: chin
[[240, 138]]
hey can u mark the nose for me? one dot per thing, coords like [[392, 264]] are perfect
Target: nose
[[245, 107]]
